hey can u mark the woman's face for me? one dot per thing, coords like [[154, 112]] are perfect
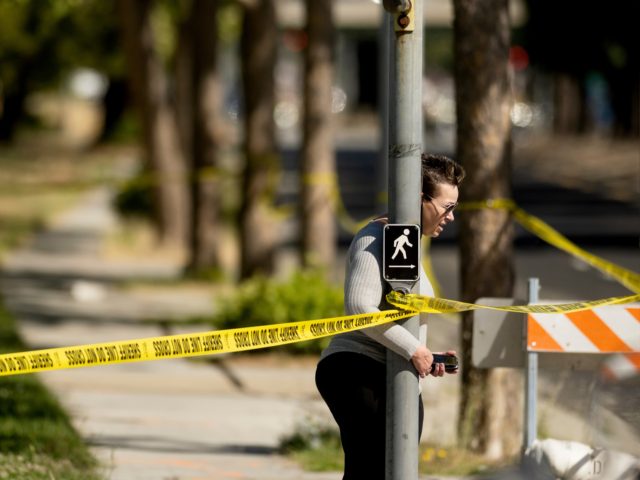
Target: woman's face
[[438, 211]]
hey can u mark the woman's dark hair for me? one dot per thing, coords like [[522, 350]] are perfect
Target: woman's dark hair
[[437, 169]]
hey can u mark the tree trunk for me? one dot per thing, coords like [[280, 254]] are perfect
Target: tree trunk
[[490, 410], [318, 169], [184, 81], [624, 87], [570, 110], [258, 48], [150, 89], [12, 107], [13, 93], [205, 250], [114, 104]]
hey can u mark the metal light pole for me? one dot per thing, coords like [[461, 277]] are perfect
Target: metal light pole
[[531, 379], [382, 165], [405, 148]]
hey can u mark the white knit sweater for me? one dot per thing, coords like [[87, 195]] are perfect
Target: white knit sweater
[[364, 292]]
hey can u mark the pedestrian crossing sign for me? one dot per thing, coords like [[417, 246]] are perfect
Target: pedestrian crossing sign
[[401, 252]]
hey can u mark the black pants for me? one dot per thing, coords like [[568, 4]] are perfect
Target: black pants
[[354, 387]]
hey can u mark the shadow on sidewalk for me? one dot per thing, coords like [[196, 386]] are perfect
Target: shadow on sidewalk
[[157, 444]]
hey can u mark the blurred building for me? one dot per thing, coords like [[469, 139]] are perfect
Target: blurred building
[[358, 25]]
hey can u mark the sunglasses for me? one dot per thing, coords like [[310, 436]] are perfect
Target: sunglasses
[[447, 209]]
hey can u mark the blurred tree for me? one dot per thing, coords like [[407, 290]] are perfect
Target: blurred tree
[[89, 44], [200, 94], [41, 41], [490, 409], [164, 155], [27, 55], [318, 166], [183, 64], [115, 102], [577, 40], [258, 53]]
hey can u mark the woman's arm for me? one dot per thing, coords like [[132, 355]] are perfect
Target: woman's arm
[[364, 290]]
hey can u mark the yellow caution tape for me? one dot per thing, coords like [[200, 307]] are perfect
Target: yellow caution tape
[[253, 338], [189, 345], [626, 277], [344, 219], [420, 303]]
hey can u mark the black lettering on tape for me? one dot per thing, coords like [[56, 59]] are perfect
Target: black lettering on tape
[[129, 351], [101, 355], [176, 346], [241, 339], [575, 306], [75, 357], [21, 363], [273, 335], [289, 334], [360, 322], [161, 348], [319, 328], [40, 361], [212, 343], [92, 356], [195, 344], [112, 354]]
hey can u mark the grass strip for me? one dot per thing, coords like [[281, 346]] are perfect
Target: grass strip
[[315, 446], [37, 440]]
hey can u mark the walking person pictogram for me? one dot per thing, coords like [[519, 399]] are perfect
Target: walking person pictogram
[[400, 242]]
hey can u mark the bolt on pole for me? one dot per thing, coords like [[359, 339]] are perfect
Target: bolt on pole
[[405, 183]]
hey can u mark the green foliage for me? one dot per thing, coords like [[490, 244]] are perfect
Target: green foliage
[[42, 41], [315, 445], [454, 461], [135, 198], [48, 37], [37, 439], [438, 49], [306, 295], [9, 340], [229, 22], [163, 25], [12, 233], [91, 38], [40, 467]]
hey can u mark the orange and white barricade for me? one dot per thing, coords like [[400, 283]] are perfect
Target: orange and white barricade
[[613, 329]]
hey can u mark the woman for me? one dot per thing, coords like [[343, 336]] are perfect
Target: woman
[[351, 374]]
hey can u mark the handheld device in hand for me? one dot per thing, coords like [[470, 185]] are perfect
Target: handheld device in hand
[[450, 362]]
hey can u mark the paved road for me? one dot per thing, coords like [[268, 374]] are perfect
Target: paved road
[[586, 188]]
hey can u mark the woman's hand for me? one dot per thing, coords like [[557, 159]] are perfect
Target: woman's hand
[[422, 360]]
